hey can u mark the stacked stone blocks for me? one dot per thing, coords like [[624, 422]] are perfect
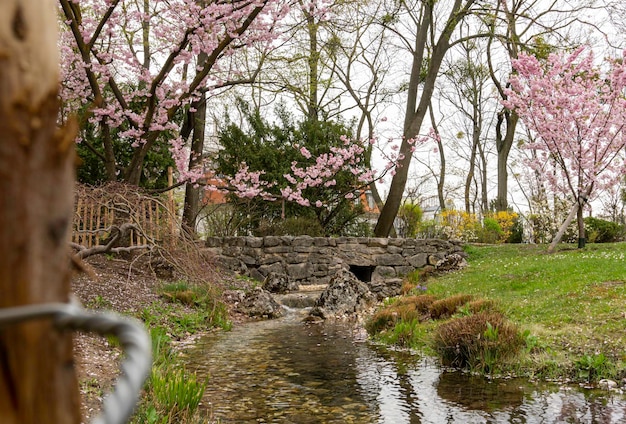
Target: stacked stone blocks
[[315, 260]]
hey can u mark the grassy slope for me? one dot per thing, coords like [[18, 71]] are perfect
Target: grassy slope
[[574, 301]]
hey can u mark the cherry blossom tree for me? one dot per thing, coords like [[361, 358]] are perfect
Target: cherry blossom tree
[[578, 113], [143, 72], [136, 66]]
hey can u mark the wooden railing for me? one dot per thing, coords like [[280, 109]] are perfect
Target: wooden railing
[[98, 210]]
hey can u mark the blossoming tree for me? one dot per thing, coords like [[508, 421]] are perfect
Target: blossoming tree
[[138, 66], [143, 71], [578, 113]]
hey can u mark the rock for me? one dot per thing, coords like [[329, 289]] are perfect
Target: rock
[[607, 384], [386, 288], [345, 295], [279, 283], [260, 303], [451, 262], [233, 297]]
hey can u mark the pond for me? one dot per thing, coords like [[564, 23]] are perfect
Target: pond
[[286, 371]]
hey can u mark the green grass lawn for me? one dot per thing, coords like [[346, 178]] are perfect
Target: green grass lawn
[[573, 301]]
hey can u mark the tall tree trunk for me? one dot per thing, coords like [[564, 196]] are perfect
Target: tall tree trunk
[[470, 175], [581, 227], [420, 93], [504, 142], [109, 153], [313, 61], [37, 377], [484, 201], [192, 193], [197, 123]]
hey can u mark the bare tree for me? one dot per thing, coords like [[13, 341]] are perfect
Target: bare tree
[[427, 46], [469, 94]]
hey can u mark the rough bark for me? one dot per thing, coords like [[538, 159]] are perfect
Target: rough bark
[[191, 208], [37, 376], [504, 142]]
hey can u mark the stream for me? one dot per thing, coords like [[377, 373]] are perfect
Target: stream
[[286, 371]]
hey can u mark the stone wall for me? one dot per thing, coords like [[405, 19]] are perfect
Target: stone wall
[[314, 260]]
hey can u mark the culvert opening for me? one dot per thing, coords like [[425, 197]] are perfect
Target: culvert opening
[[363, 273]]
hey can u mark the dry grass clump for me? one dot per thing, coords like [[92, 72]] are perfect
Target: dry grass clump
[[406, 288], [478, 342], [421, 302], [405, 309], [481, 305], [447, 307]]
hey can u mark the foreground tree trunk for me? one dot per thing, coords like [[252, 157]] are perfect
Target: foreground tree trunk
[[37, 377]]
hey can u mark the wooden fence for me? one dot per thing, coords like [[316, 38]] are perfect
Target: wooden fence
[[98, 210]]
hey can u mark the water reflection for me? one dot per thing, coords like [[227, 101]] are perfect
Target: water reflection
[[284, 371]]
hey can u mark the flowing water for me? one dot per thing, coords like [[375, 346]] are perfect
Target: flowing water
[[285, 371]]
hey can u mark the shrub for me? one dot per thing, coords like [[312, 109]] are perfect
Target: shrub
[[491, 231], [517, 232], [459, 225], [601, 231], [420, 303], [478, 342], [409, 217], [295, 226], [480, 305], [447, 307], [208, 309]]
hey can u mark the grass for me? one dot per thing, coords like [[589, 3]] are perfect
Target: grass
[[172, 394], [571, 305]]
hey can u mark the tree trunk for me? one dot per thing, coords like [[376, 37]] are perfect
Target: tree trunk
[[37, 377], [504, 142], [313, 61], [420, 93], [576, 207], [581, 228], [192, 193]]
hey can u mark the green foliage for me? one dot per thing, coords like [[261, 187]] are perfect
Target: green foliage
[[176, 392], [296, 226], [593, 367], [171, 394], [405, 334], [408, 218], [517, 232], [601, 231], [491, 231], [207, 309], [570, 301], [407, 308], [272, 148], [443, 308], [99, 302]]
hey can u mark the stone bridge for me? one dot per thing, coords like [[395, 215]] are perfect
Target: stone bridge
[[315, 260]]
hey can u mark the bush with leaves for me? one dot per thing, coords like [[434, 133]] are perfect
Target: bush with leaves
[[602, 231], [274, 150]]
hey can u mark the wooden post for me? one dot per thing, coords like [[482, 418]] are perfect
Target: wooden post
[[37, 376]]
